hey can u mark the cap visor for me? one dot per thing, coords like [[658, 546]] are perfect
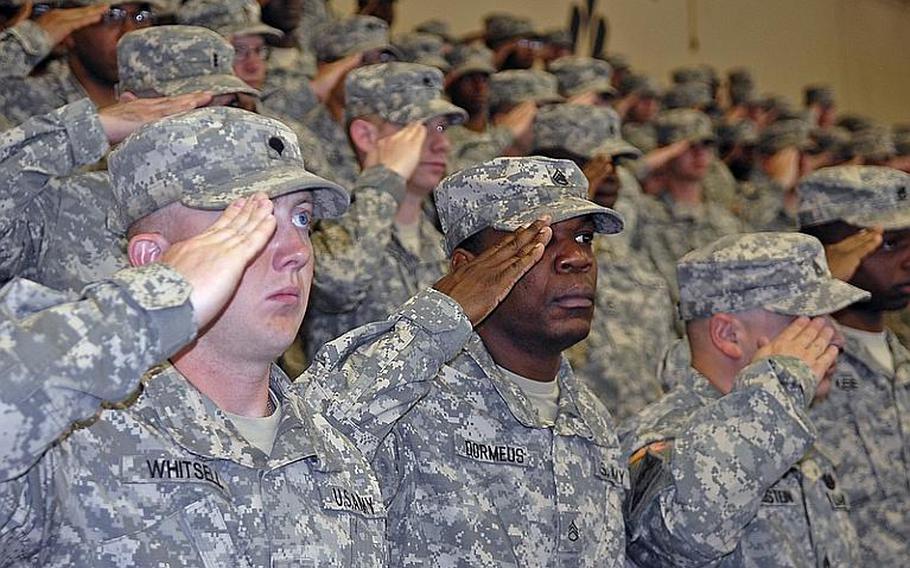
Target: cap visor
[[889, 220], [617, 147], [468, 68], [425, 110], [215, 84], [819, 299], [330, 200], [606, 221], [256, 29]]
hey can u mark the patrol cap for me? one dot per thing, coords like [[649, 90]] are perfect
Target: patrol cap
[[831, 139], [583, 130], [854, 122], [641, 85], [502, 27], [174, 60], [699, 73], [425, 49], [863, 196], [559, 38], [741, 133], [469, 58], [519, 85], [437, 28], [821, 95], [740, 76], [783, 134], [784, 273], [508, 193], [618, 61], [683, 124], [873, 143], [207, 158], [742, 86], [227, 17], [399, 93], [158, 5], [902, 139], [355, 34], [576, 75], [688, 95]]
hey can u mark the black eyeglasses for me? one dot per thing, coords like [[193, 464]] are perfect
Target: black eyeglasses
[[243, 53]]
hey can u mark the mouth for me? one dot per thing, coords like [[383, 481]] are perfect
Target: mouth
[[581, 299], [434, 165], [288, 295]]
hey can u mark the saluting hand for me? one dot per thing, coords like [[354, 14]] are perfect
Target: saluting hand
[[214, 261], [481, 283]]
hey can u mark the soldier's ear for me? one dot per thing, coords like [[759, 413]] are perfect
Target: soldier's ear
[[727, 333], [146, 248], [459, 257], [364, 135]]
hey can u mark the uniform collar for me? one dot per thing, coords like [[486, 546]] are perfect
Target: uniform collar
[[197, 425], [578, 415]]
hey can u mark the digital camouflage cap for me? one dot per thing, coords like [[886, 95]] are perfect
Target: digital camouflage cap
[[583, 130], [425, 49], [694, 94], [175, 60], [519, 85], [683, 124], [863, 196], [576, 75], [207, 158], [502, 27], [785, 273], [789, 133], [469, 58], [227, 17], [355, 34], [399, 93], [508, 193]]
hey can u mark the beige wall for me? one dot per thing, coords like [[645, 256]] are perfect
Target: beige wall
[[860, 47]]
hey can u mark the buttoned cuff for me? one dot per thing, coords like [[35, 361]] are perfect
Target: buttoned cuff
[[442, 318], [33, 39], [87, 139], [383, 179]]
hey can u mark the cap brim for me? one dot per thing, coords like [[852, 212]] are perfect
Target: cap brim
[[330, 200], [434, 61], [819, 299], [215, 84], [256, 29], [888, 220], [600, 87], [425, 110], [617, 147], [467, 68], [606, 221]]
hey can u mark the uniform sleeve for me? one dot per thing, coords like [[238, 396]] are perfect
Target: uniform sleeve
[[480, 148], [22, 47], [60, 360], [692, 495], [350, 249], [32, 157], [373, 375]]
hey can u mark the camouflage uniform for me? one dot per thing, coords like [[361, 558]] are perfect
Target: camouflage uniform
[[669, 229], [551, 496], [633, 318], [865, 421], [52, 223], [641, 135], [365, 269], [22, 98], [22, 47], [425, 49], [733, 479]]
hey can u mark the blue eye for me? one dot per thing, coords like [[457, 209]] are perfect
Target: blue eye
[[301, 219]]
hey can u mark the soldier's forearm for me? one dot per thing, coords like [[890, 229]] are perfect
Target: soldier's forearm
[[61, 359]]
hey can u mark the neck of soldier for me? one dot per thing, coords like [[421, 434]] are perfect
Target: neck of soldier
[[411, 208], [863, 320], [477, 122], [100, 91], [685, 191], [235, 384], [721, 375], [535, 362]]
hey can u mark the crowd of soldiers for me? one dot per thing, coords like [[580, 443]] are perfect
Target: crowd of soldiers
[[281, 289]]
